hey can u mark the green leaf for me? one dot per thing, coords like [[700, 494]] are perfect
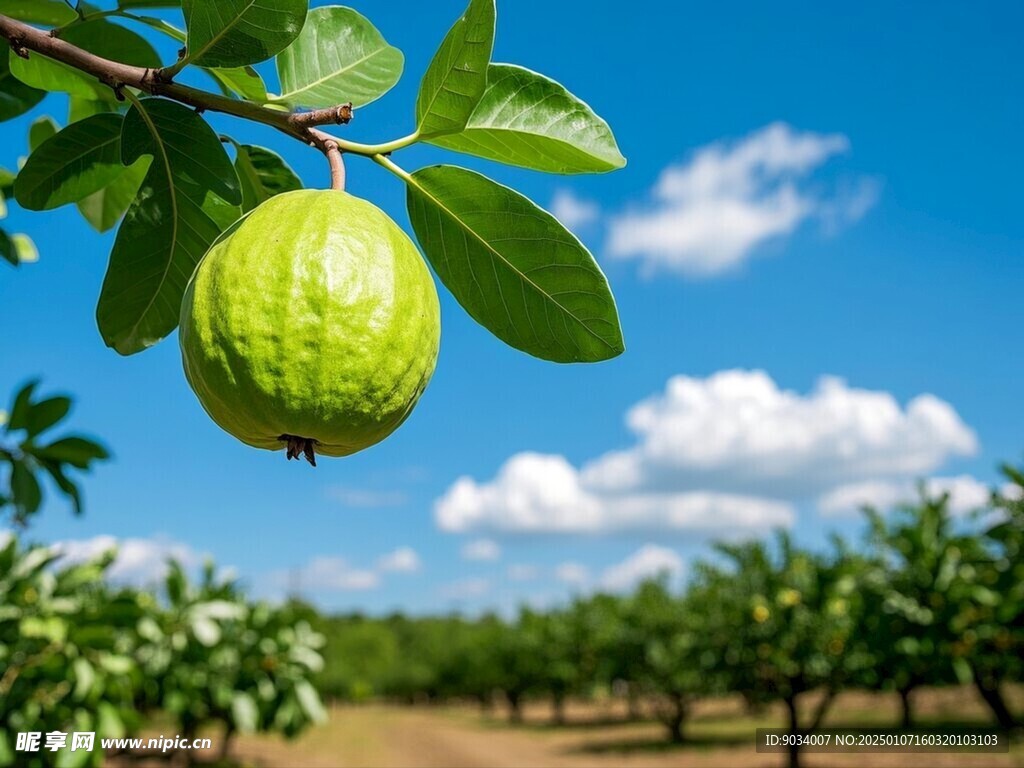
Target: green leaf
[[50, 13], [527, 120], [339, 57], [22, 407], [42, 129], [243, 82], [8, 249], [24, 249], [310, 702], [16, 98], [244, 712], [100, 37], [76, 451], [67, 487], [80, 108], [457, 76], [84, 676], [206, 631], [514, 267], [7, 182], [50, 628], [235, 33], [104, 209], [80, 160], [263, 174], [25, 489], [46, 413], [189, 196]]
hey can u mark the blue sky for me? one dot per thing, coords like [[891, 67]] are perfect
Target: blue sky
[[811, 192]]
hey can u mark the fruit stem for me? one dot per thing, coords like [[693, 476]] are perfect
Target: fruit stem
[[337, 161]]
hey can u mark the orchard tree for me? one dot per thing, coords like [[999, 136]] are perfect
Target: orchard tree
[[990, 622], [210, 656], [790, 616], [309, 322], [65, 652], [913, 591], [673, 667]]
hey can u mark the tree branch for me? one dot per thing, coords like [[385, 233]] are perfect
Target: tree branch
[[24, 38]]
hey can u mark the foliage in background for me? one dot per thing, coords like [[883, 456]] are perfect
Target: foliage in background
[[931, 600], [80, 654]]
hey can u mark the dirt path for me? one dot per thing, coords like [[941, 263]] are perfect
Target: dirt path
[[392, 737]]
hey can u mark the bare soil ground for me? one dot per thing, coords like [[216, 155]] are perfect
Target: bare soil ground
[[597, 736]]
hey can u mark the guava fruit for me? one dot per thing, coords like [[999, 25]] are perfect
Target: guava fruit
[[312, 326]]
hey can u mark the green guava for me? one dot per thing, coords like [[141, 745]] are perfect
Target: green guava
[[312, 326]]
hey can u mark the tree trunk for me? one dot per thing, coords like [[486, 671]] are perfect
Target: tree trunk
[[907, 721], [515, 707], [558, 708], [486, 704], [676, 719], [225, 747], [794, 730], [988, 687], [633, 702]]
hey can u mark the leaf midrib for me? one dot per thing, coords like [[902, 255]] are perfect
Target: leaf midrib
[[174, 213], [338, 73], [220, 35], [474, 129], [525, 278]]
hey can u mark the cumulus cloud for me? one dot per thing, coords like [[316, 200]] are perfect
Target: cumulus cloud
[[966, 494], [708, 215], [739, 431], [140, 562], [481, 550], [648, 562], [731, 454], [402, 560], [572, 211], [536, 493]]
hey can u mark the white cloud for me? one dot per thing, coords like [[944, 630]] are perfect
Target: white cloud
[[140, 562], [481, 550], [648, 562], [572, 211], [362, 498], [737, 431], [710, 214], [536, 493], [523, 572], [966, 494], [574, 574], [732, 454], [466, 589], [402, 560]]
